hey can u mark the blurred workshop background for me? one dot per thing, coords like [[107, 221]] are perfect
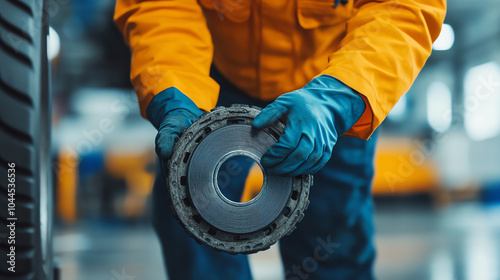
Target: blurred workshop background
[[437, 187]]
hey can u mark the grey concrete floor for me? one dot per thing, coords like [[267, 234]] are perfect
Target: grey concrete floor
[[413, 242]]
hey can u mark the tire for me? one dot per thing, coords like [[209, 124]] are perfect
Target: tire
[[25, 118]]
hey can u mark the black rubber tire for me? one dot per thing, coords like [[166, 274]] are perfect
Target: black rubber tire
[[25, 118]]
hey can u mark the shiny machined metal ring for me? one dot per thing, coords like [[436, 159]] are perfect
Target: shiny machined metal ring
[[206, 214]]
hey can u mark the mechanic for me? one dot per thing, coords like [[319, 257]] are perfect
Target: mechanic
[[334, 68]]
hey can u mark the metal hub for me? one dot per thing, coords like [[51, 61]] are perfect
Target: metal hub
[[206, 214]]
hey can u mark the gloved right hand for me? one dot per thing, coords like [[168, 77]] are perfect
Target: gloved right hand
[[171, 112]]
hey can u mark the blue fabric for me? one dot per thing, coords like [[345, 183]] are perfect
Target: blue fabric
[[184, 258], [316, 115], [333, 241]]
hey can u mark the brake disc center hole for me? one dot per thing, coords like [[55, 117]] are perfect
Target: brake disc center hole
[[239, 178]]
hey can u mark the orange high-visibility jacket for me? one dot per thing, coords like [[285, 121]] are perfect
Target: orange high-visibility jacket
[[270, 47]]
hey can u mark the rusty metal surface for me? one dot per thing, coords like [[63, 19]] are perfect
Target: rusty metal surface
[[197, 202]]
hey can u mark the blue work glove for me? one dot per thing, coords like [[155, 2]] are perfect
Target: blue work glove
[[317, 114], [171, 112]]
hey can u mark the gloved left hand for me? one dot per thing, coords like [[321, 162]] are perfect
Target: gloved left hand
[[317, 114], [171, 112]]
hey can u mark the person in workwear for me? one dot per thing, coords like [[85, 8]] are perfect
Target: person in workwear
[[333, 68]]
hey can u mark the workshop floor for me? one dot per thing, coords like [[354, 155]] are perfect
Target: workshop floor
[[414, 242]]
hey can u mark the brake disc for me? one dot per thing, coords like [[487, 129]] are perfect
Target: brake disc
[[197, 202]]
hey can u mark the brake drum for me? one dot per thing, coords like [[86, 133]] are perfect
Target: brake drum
[[197, 202]]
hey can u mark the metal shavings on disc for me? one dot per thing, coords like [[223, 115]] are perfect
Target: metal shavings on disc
[[206, 214]]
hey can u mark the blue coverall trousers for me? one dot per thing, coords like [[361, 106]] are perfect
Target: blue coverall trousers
[[333, 241]]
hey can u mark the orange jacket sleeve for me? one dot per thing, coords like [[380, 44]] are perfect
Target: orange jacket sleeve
[[171, 47], [386, 45]]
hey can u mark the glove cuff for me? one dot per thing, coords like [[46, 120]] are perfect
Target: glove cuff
[[345, 103], [167, 101]]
